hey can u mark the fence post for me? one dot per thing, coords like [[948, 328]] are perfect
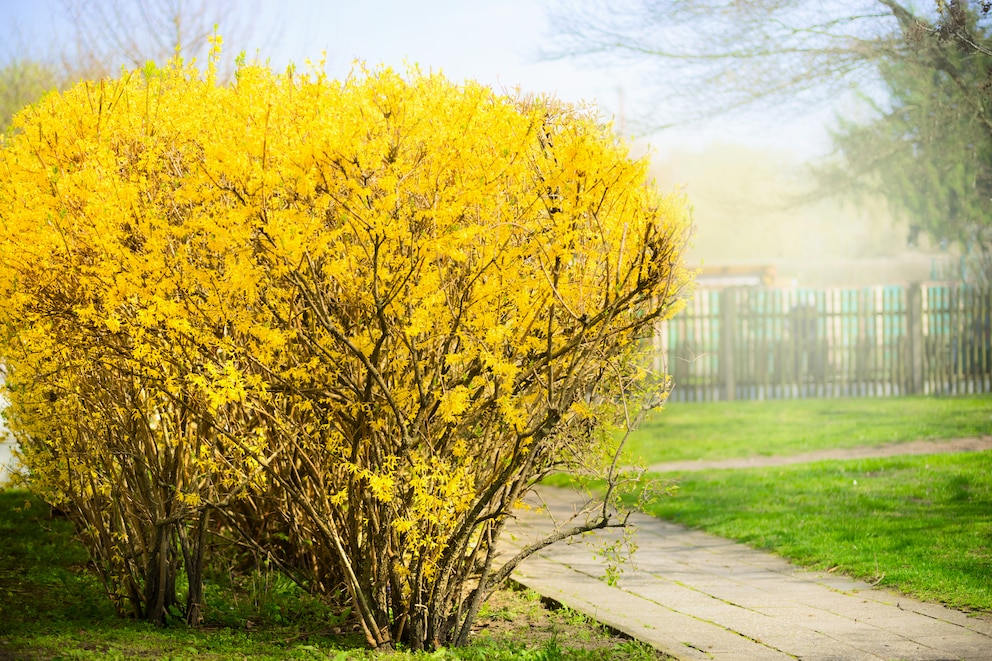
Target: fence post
[[728, 332], [914, 330]]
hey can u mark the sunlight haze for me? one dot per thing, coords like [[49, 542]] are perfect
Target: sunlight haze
[[499, 44]]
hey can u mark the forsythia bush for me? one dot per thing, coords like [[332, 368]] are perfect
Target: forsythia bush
[[351, 321]]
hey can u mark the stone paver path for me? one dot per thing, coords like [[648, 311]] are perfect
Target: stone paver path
[[975, 444], [697, 596]]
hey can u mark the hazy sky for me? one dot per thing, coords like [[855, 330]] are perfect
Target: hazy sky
[[497, 42]]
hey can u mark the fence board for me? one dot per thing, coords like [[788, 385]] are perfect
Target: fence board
[[786, 343]]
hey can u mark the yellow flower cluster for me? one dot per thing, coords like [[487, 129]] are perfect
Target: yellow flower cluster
[[374, 304]]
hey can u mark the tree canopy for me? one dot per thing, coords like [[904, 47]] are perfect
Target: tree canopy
[[23, 82], [927, 146], [923, 134], [701, 58]]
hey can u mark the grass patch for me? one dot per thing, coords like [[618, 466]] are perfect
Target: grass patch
[[921, 524], [724, 430], [52, 607]]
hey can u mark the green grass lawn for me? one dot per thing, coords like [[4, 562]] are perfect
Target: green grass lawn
[[51, 607], [721, 430], [919, 524]]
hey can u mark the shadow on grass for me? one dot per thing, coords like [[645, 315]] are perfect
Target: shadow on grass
[[53, 607]]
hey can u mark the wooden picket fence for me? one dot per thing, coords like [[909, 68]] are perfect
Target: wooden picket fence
[[786, 343]]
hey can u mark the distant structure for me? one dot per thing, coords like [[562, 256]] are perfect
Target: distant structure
[[718, 277], [751, 231]]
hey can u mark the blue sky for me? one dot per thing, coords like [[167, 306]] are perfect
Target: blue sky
[[497, 42]]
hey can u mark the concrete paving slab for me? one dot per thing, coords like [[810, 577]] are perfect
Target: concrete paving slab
[[675, 633], [695, 596], [975, 650], [976, 622]]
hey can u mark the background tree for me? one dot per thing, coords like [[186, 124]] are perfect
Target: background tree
[[928, 145], [23, 82], [703, 58], [108, 34], [923, 77]]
